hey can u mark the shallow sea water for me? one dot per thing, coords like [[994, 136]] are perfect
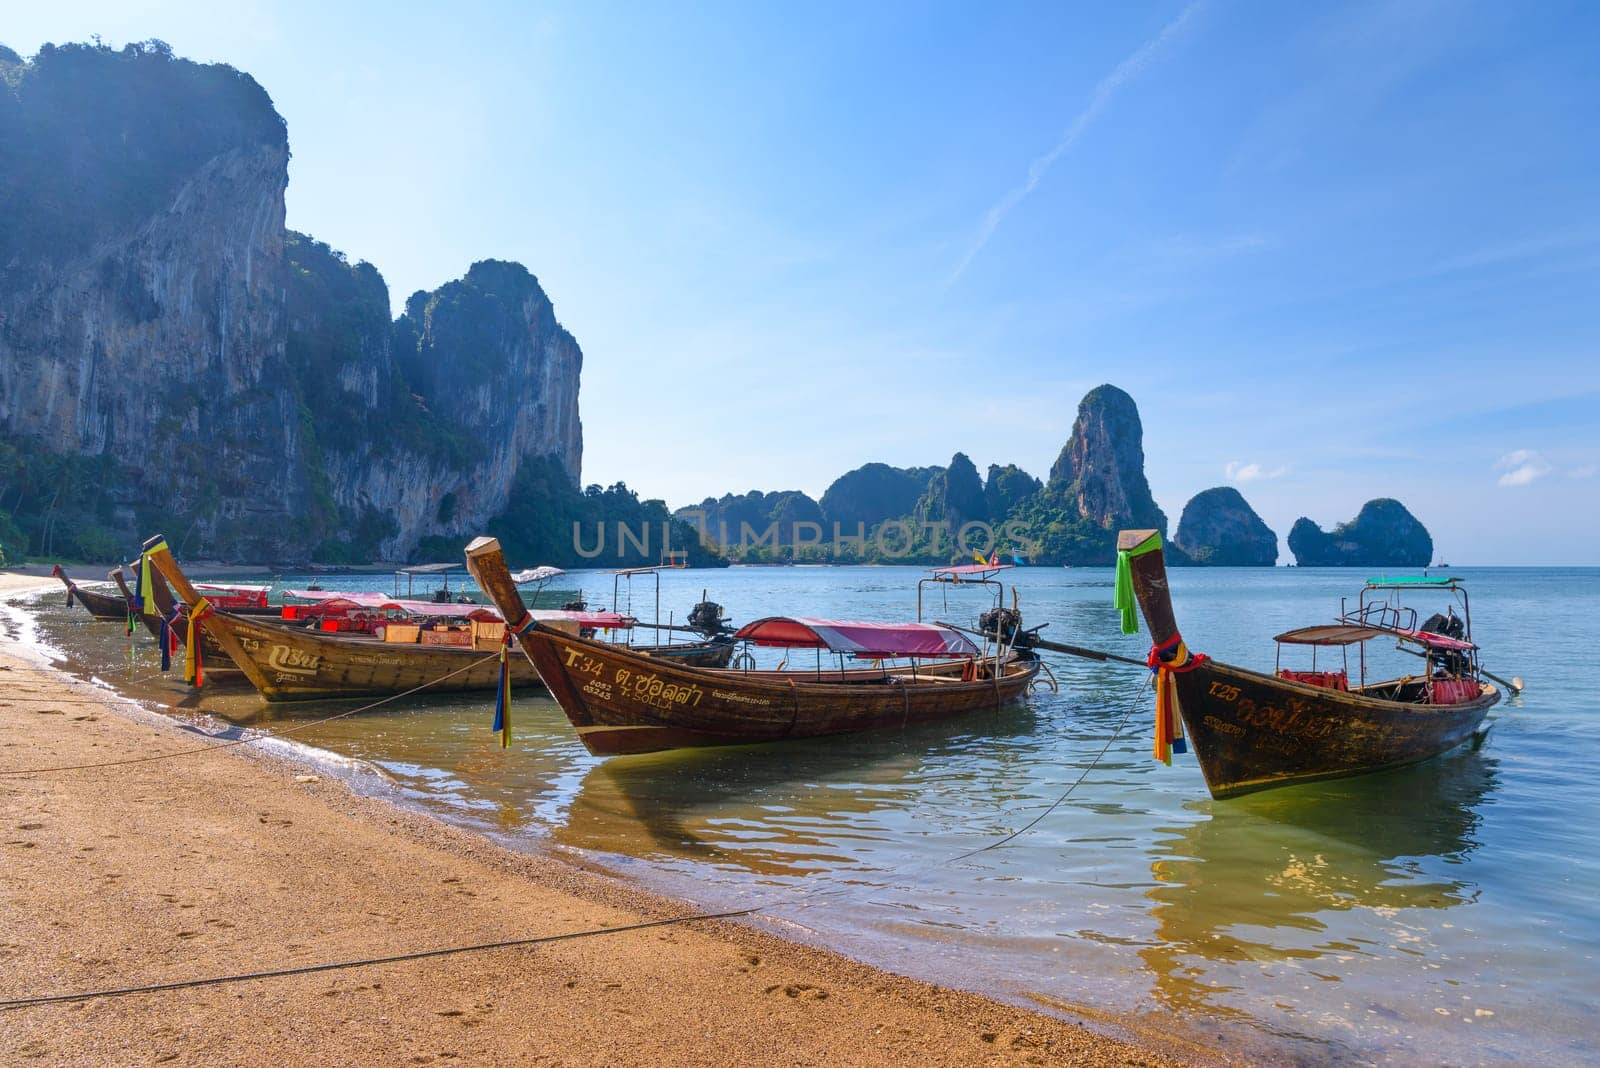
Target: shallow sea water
[[1445, 913]]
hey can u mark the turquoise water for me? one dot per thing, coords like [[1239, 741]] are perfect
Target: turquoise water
[[1443, 913]]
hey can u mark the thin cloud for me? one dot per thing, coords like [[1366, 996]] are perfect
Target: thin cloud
[[1253, 472], [1586, 471], [1521, 467], [1108, 87]]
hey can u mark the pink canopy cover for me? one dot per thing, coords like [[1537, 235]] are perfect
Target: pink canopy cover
[[432, 610], [963, 570], [859, 639], [1438, 641]]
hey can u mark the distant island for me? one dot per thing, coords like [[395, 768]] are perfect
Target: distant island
[[1383, 534]]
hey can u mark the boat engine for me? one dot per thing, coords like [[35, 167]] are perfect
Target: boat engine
[[1005, 626], [1449, 625], [706, 617]]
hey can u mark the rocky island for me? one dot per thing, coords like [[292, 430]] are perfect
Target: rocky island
[[1383, 534], [1218, 528]]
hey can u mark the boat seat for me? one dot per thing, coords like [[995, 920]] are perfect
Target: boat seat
[[1328, 680], [1453, 691]]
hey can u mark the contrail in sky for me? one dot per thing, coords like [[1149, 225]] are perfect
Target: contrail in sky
[[1125, 72]]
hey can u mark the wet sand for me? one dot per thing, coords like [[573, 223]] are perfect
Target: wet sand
[[226, 862]]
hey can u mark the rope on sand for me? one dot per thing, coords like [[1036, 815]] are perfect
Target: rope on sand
[[309, 969]]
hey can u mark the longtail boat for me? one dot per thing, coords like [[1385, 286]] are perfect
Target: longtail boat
[[1254, 731], [622, 702], [99, 605], [412, 645]]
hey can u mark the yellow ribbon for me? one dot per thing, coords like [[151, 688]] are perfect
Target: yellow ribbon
[[191, 654]]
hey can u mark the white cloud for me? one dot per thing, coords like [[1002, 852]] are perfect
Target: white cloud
[[1129, 69], [1586, 471], [1252, 471], [1521, 467]]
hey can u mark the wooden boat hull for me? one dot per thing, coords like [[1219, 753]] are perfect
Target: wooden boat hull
[[622, 703], [300, 664], [99, 605], [1252, 732]]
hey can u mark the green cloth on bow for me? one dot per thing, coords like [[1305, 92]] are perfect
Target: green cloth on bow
[[1124, 599]]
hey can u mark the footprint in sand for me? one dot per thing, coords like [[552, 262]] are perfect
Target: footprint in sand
[[804, 991], [29, 826]]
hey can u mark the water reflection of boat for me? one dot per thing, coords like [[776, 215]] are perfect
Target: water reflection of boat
[[768, 809], [1265, 878]]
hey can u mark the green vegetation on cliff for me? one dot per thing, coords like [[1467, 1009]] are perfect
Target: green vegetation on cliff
[[79, 113]]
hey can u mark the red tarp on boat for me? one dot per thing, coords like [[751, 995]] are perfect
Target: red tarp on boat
[[859, 639], [436, 610], [1437, 641]]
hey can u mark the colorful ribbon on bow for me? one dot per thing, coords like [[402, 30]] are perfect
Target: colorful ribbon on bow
[[502, 694], [1169, 659], [168, 638], [502, 697], [194, 661]]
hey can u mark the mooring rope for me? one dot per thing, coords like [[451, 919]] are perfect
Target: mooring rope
[[250, 738], [309, 969]]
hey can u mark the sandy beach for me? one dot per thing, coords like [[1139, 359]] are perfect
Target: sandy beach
[[231, 862]]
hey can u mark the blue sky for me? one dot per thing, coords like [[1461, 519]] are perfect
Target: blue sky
[[1334, 253]]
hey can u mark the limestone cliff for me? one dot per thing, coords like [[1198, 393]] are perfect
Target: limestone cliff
[[954, 497], [1096, 487], [496, 382], [1009, 488], [141, 283], [1101, 469], [1218, 528], [1383, 534], [237, 384]]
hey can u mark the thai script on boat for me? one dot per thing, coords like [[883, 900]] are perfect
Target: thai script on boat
[[651, 689], [293, 661]]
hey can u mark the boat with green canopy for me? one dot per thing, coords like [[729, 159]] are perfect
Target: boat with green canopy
[[1254, 731]]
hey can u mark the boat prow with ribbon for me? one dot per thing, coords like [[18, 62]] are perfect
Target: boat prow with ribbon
[[1254, 731], [99, 605]]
